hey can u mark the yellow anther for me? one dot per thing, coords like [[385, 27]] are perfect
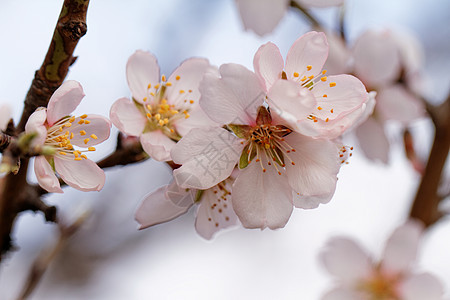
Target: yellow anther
[[157, 86], [327, 120], [169, 83], [191, 101], [324, 72], [164, 101], [83, 156], [77, 158], [76, 153], [166, 120], [173, 111], [182, 91], [325, 95], [149, 115], [331, 111], [177, 77], [60, 129], [171, 130], [324, 78], [71, 135], [94, 136], [149, 86], [69, 147], [87, 122], [303, 79], [82, 132], [86, 140], [186, 116], [152, 94], [296, 74], [91, 148], [83, 116], [310, 77], [149, 107], [145, 99], [319, 108], [267, 146], [332, 84], [67, 124], [81, 122], [157, 117], [190, 91], [309, 68], [161, 122], [163, 78], [62, 153], [72, 119]]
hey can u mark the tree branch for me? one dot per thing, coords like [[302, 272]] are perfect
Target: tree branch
[[310, 18], [70, 28]]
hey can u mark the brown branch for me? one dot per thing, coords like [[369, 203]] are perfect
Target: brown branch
[[310, 18], [426, 202], [70, 28]]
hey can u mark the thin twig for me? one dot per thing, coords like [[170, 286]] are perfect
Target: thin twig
[[314, 22]]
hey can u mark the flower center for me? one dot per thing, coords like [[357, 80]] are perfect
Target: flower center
[[381, 287], [61, 135], [161, 113]]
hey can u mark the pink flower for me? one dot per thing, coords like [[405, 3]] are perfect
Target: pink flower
[[341, 99], [262, 16], [214, 208], [361, 278], [56, 128], [5, 116], [379, 60], [279, 167], [161, 111]]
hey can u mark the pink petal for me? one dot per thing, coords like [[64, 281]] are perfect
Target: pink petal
[[268, 64], [311, 49], [197, 119], [290, 101], [261, 16], [126, 117], [338, 56], [316, 165], [157, 145], [35, 123], [180, 196], [373, 140], [346, 260], [342, 293], [422, 286], [215, 212], [396, 103], [190, 73], [320, 3], [376, 58], [233, 98], [46, 176], [64, 101], [142, 69], [401, 247], [208, 156], [5, 116], [262, 199], [310, 202], [83, 175], [97, 131], [156, 208]]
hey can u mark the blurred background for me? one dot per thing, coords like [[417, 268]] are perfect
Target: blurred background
[[108, 258]]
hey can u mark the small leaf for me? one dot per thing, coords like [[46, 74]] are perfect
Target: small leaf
[[241, 131]]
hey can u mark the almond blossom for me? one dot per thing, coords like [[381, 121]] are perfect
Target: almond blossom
[[57, 129], [262, 16], [162, 109], [280, 164], [359, 277], [214, 208]]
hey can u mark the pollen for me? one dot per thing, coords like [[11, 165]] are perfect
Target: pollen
[[77, 158], [324, 78], [177, 77], [87, 122], [91, 148], [86, 140], [324, 72], [325, 95], [182, 91], [331, 111], [191, 101], [296, 74], [94, 136], [62, 153], [83, 116], [319, 108], [82, 132], [332, 84], [145, 99], [149, 86], [81, 122], [309, 68], [163, 78], [327, 120]]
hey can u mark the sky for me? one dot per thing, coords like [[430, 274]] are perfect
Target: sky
[[109, 258]]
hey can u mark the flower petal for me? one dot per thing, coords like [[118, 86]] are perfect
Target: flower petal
[[35, 123], [157, 145], [126, 117], [316, 165], [215, 212], [64, 101], [345, 259], [46, 176], [307, 55], [320, 3], [197, 119], [396, 103], [83, 175], [94, 133], [5, 116], [373, 140], [261, 16], [422, 286], [401, 247], [268, 64], [339, 55], [233, 98], [376, 58], [157, 208], [262, 199], [185, 81], [208, 156], [342, 293], [142, 69]]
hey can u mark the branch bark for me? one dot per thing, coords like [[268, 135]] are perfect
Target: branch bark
[[70, 28]]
